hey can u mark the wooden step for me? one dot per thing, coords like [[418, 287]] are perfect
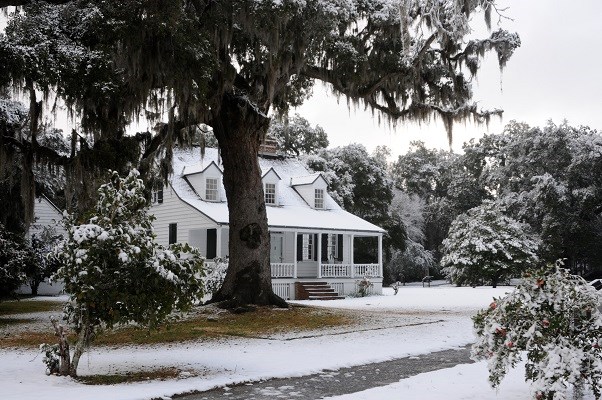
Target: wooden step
[[315, 291]]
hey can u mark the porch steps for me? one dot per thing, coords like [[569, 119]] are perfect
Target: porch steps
[[315, 291]]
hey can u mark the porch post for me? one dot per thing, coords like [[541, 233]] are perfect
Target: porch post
[[380, 255], [351, 257], [319, 254], [218, 242], [295, 256]]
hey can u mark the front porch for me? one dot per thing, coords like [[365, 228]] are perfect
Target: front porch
[[339, 258]]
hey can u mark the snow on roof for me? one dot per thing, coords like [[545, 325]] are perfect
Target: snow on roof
[[292, 211], [305, 180]]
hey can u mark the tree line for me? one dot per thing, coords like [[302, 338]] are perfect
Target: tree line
[[533, 192]]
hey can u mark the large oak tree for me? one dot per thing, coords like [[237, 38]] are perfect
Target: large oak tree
[[229, 64]]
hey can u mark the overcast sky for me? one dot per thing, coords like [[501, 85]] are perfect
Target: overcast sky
[[555, 74]]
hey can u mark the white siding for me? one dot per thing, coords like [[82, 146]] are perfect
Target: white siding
[[174, 210], [46, 215], [225, 241], [307, 269], [289, 247]]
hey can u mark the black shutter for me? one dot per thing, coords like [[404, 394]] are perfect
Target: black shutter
[[340, 247], [299, 247], [211, 243], [173, 233], [315, 247], [160, 196], [324, 247]]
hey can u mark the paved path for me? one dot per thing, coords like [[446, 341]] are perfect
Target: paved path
[[338, 382]]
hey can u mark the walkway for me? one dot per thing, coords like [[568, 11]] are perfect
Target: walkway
[[339, 382]]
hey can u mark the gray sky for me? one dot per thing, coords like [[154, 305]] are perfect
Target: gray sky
[[555, 74]]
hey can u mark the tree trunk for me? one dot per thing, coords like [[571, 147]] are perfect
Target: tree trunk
[[239, 128], [34, 285], [64, 354], [83, 339]]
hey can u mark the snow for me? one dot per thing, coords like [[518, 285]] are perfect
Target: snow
[[430, 319]]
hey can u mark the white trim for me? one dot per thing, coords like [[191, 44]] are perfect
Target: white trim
[[319, 255]]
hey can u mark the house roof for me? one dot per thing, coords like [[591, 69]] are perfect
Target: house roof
[[305, 179], [292, 211]]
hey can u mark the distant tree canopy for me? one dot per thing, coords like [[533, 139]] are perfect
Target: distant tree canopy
[[228, 64], [296, 136], [540, 176], [486, 246]]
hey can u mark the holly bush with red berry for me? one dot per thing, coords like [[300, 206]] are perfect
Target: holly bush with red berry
[[553, 318]]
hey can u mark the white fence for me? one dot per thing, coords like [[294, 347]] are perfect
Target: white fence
[[282, 289]]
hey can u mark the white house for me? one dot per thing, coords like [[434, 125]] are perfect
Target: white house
[[46, 214], [312, 238]]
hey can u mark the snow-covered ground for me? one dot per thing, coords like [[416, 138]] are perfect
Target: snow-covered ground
[[426, 320]]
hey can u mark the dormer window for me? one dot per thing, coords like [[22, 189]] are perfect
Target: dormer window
[[319, 198], [270, 193], [211, 189]]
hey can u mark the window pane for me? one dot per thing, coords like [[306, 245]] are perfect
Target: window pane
[[319, 198], [270, 193], [211, 193]]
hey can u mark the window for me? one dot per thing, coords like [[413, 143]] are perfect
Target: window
[[333, 247], [319, 198], [270, 193], [158, 196], [308, 247], [211, 192], [173, 233]]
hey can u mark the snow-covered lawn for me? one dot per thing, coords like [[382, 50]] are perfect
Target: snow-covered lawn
[[429, 319]]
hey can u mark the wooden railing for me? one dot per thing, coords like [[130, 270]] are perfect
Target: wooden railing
[[282, 270], [369, 270], [346, 270]]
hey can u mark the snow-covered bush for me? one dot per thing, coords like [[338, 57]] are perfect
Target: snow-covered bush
[[114, 270], [13, 259], [363, 286], [553, 316], [215, 273], [484, 244], [43, 261]]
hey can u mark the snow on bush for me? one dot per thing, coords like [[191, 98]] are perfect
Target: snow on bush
[[13, 260], [215, 273], [114, 270], [483, 244], [553, 316]]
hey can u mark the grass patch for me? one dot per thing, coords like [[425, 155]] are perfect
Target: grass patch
[[28, 306], [140, 376], [263, 321]]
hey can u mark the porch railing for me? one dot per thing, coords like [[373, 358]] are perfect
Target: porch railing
[[344, 270], [282, 270], [336, 270], [369, 270]]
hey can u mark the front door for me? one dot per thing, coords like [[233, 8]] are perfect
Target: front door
[[276, 245]]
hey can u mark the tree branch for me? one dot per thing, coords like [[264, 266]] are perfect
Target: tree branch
[[17, 3]]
